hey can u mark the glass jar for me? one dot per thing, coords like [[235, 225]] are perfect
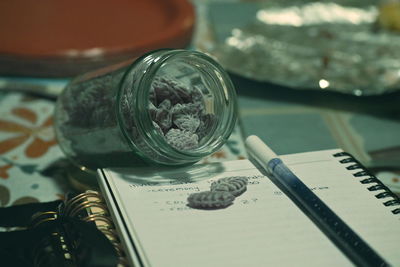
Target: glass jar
[[169, 107]]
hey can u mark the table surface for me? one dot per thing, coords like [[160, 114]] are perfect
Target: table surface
[[32, 167]]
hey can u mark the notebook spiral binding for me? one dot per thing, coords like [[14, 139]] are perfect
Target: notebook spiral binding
[[368, 178], [90, 207], [45, 252]]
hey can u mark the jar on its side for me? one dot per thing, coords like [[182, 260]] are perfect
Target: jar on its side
[[169, 107]]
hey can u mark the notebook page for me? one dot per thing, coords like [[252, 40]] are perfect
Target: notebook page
[[351, 200], [263, 227]]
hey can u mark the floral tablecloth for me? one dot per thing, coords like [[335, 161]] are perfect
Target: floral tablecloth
[[27, 147]]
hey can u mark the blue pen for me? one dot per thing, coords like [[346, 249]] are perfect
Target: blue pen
[[356, 249]]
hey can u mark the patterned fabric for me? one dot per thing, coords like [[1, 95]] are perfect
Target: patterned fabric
[[27, 147]]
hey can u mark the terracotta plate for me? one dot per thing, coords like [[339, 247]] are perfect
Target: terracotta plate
[[61, 38]]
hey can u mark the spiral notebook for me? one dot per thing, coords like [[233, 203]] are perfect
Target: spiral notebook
[[263, 227]]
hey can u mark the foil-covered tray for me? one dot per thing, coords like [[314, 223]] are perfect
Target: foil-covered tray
[[320, 45]]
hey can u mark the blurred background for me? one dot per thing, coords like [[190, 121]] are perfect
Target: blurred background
[[310, 75]]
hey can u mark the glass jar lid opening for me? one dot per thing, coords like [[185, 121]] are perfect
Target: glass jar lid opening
[[186, 105], [190, 104]]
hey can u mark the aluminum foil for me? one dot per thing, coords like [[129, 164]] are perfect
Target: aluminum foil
[[315, 45]]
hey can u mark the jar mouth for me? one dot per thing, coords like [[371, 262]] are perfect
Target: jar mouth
[[223, 103]]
